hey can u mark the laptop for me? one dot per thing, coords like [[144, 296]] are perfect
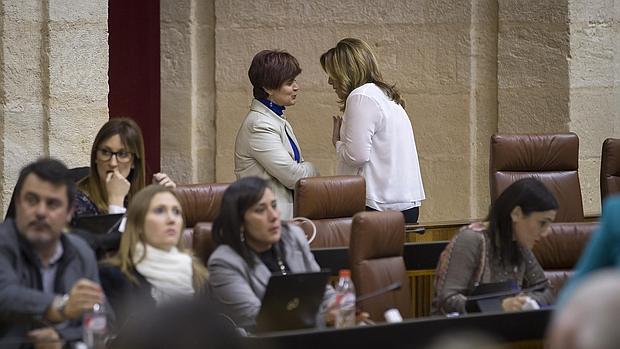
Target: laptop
[[98, 224], [488, 297], [291, 301]]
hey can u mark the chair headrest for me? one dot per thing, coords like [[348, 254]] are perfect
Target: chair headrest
[[543, 152], [200, 202], [329, 197]]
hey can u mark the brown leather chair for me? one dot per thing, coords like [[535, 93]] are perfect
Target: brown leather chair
[[376, 260], [201, 204], [610, 168], [330, 202], [559, 251], [552, 158]]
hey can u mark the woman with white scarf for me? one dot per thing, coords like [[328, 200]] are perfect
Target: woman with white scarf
[[150, 268]]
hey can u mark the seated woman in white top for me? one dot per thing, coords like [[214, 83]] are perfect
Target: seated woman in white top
[[266, 145], [150, 267], [374, 137]]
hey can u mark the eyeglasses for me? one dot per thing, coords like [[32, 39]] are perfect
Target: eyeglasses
[[121, 156]]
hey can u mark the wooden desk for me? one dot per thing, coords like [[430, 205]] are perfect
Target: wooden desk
[[434, 231], [521, 329]]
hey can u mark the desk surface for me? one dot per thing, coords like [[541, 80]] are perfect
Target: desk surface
[[417, 333]]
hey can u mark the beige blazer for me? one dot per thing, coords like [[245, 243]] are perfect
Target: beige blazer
[[262, 149]]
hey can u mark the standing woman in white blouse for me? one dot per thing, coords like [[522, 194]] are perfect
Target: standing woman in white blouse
[[374, 137]]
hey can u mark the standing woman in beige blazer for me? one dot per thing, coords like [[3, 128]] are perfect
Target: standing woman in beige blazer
[[266, 145]]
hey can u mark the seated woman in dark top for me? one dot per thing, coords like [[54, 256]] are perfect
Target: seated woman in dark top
[[499, 250], [117, 170], [150, 267], [253, 244]]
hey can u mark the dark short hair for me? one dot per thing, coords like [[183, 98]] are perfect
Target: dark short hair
[[238, 198], [532, 196], [270, 69], [49, 170]]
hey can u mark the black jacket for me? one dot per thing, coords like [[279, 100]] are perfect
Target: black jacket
[[125, 297]]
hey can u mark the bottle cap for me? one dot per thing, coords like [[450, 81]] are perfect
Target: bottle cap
[[392, 315], [344, 273]]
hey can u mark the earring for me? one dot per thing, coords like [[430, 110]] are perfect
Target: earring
[[242, 235], [270, 104]]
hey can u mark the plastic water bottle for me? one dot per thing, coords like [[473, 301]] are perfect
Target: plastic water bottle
[[345, 298], [95, 327]]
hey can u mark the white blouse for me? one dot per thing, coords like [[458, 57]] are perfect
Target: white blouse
[[376, 142]]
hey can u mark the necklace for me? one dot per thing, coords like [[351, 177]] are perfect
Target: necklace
[[281, 265]]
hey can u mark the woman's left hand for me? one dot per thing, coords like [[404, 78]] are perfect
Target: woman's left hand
[[163, 179], [514, 303], [337, 123]]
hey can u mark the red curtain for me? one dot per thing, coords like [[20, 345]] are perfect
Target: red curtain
[[134, 70]]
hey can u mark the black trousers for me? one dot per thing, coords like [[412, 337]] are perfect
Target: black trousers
[[411, 215]]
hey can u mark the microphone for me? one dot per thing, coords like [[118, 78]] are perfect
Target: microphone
[[383, 290]]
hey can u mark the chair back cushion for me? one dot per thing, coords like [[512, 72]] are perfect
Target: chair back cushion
[[203, 241], [376, 260], [333, 232], [330, 202], [551, 158], [329, 197], [610, 167], [561, 248], [200, 202], [559, 251]]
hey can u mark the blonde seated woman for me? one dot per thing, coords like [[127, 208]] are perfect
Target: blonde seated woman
[[150, 268]]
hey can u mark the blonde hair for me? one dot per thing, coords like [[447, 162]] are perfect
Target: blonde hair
[[131, 137], [352, 64], [134, 234]]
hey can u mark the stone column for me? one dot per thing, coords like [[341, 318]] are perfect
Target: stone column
[[559, 69], [53, 82], [533, 54], [594, 73], [482, 100], [188, 90]]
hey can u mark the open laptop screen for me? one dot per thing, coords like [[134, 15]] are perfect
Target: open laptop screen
[[98, 224], [291, 301]]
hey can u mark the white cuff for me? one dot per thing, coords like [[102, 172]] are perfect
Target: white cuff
[[114, 209]]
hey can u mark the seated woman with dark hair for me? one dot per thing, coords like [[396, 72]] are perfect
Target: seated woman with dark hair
[[117, 170], [499, 250], [253, 244], [150, 267], [117, 173]]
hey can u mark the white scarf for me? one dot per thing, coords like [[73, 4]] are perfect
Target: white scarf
[[169, 273]]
